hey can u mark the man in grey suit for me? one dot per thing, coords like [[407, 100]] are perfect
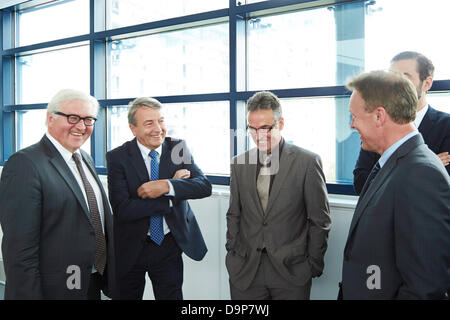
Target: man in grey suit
[[399, 239], [55, 216], [278, 220]]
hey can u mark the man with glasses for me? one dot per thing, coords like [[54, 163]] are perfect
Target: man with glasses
[[55, 216], [278, 220]]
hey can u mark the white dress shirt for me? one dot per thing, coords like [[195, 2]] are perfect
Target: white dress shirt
[[67, 156], [420, 115], [145, 155]]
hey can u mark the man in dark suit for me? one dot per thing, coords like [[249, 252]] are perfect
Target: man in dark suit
[[150, 179], [399, 238], [434, 125], [56, 220], [278, 220]]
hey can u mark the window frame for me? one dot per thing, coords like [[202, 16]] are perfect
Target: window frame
[[236, 16]]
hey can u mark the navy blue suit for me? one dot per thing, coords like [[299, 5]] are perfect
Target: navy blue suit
[[398, 242], [126, 173], [435, 130]]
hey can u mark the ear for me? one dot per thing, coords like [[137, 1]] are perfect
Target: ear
[[281, 124], [381, 116], [427, 83], [133, 129], [50, 119]]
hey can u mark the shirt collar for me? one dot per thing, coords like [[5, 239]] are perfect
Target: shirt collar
[[145, 151], [420, 115], [66, 154], [388, 153]]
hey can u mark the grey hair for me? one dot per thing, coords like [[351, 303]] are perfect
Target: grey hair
[[137, 103], [66, 95], [265, 100]]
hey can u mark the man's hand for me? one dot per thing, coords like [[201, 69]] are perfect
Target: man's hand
[[182, 174], [153, 189], [445, 158]]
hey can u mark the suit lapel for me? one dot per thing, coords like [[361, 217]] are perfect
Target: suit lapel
[[381, 178], [249, 175], [61, 167], [284, 167], [164, 161], [137, 161], [427, 122]]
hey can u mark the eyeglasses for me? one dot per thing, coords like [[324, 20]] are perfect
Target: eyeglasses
[[266, 129], [74, 119]]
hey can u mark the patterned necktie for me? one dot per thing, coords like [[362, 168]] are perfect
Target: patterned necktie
[[100, 241], [156, 222], [263, 183], [373, 174]]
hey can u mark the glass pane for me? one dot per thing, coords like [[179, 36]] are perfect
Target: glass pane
[[207, 138], [396, 26], [53, 21], [31, 128], [292, 50], [179, 62], [40, 76], [322, 125], [439, 101], [130, 12]]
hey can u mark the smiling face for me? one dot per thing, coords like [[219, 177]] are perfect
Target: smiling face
[[260, 121], [150, 129], [364, 122], [71, 136]]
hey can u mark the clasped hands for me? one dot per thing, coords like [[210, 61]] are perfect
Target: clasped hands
[[157, 188]]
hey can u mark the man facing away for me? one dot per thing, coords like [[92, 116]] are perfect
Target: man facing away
[[278, 220], [150, 179], [434, 125], [56, 220], [399, 238]]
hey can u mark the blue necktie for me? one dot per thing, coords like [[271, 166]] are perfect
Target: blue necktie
[[156, 222], [374, 173]]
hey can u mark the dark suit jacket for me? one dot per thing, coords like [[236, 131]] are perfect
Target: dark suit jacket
[[435, 129], [126, 173], [47, 226], [294, 229], [402, 225]]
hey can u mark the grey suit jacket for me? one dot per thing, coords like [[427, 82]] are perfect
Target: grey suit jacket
[[400, 232], [47, 226], [294, 229]]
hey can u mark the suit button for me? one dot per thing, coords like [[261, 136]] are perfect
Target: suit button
[[265, 224]]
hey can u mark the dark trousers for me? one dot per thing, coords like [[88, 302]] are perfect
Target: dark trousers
[[96, 284], [164, 266]]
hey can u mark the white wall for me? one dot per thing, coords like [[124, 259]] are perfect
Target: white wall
[[208, 279]]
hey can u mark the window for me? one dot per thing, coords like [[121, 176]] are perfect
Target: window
[[123, 13], [204, 126], [203, 60], [178, 62], [39, 76], [61, 20]]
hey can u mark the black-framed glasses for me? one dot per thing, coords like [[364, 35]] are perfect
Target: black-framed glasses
[[74, 119], [266, 129]]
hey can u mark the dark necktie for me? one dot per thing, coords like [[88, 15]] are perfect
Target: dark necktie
[[100, 241], [156, 222], [373, 174]]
